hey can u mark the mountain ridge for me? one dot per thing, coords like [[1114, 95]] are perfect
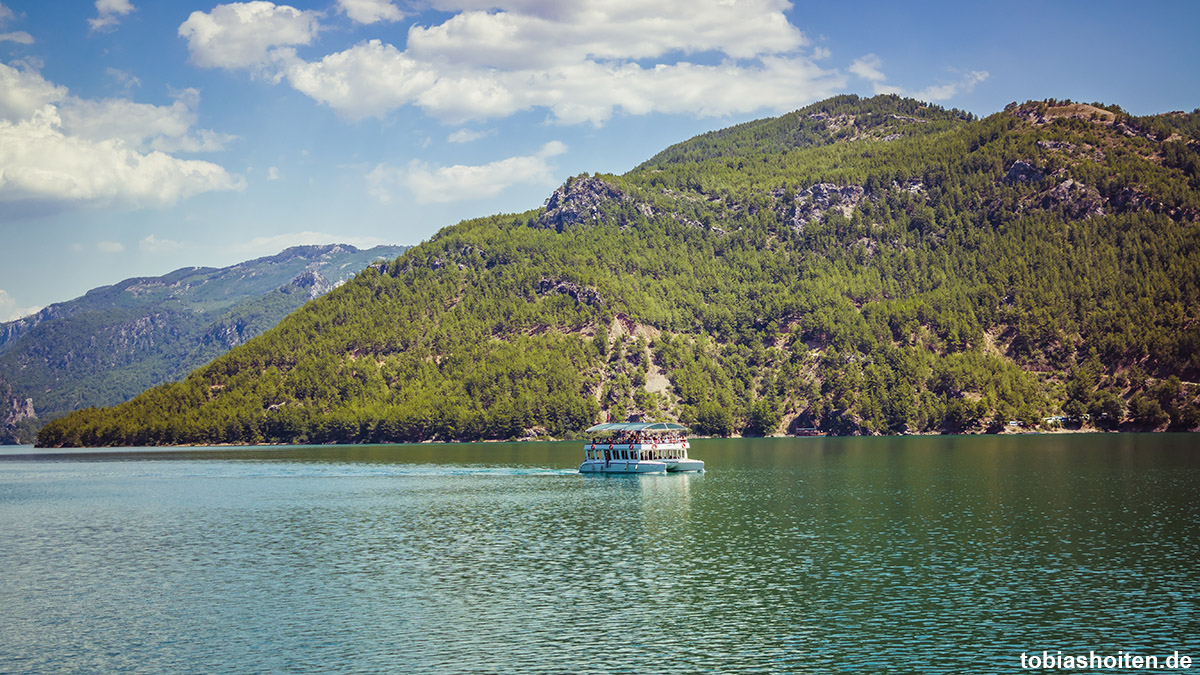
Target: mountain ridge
[[900, 269], [115, 341]]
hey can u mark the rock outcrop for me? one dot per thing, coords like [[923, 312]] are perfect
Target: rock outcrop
[[1023, 171], [13, 411], [1079, 201], [312, 281], [812, 204], [585, 295], [578, 202]]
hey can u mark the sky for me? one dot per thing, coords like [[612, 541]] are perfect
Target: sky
[[138, 137]]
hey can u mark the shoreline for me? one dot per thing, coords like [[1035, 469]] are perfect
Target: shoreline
[[253, 446]]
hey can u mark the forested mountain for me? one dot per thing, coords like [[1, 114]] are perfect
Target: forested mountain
[[862, 266], [117, 341]]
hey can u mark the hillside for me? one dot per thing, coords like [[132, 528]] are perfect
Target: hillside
[[863, 266], [117, 341]]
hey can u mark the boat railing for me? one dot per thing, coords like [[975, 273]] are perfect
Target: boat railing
[[624, 450]]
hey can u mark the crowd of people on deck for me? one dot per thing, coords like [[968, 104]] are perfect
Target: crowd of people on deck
[[652, 446]]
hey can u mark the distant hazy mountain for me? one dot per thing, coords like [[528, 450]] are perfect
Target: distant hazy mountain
[[116, 341]]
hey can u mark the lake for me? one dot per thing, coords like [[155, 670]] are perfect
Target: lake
[[808, 555]]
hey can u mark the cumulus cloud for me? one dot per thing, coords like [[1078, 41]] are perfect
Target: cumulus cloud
[[273, 173], [372, 78], [256, 35], [24, 92], [109, 13], [583, 61], [431, 184], [143, 126], [10, 310], [370, 11], [368, 79], [59, 151], [537, 35]]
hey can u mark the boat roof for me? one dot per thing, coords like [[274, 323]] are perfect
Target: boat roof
[[637, 426]]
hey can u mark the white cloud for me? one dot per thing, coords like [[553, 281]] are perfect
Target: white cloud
[[429, 184], [273, 173], [143, 126], [468, 135], [821, 53], [152, 244], [9, 309], [271, 245], [943, 92], [109, 13], [58, 151], [370, 11], [583, 61], [368, 79], [110, 247], [541, 35], [24, 92], [20, 37], [257, 35], [371, 79], [867, 67]]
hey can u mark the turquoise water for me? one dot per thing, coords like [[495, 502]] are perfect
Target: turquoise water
[[818, 555]]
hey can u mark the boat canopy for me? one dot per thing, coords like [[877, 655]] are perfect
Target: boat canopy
[[616, 427]]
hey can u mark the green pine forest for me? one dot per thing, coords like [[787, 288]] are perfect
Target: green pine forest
[[863, 266]]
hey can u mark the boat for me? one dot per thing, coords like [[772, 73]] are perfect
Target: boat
[[637, 447], [809, 431]]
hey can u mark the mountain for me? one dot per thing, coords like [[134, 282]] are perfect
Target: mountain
[[117, 341], [861, 266]]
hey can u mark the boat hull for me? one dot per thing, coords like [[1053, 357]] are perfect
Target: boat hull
[[622, 466], [684, 464]]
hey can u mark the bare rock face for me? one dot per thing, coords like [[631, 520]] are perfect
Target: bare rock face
[[1078, 200], [578, 202], [1022, 171], [313, 281], [813, 203], [584, 295], [13, 410], [1056, 145], [12, 330]]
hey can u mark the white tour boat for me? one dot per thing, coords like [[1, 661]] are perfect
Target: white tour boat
[[637, 447]]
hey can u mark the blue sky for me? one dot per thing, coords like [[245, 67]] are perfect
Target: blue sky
[[138, 137]]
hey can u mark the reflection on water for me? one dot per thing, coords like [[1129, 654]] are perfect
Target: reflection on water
[[789, 555]]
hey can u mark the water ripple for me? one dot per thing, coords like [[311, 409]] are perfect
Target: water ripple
[[892, 558]]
